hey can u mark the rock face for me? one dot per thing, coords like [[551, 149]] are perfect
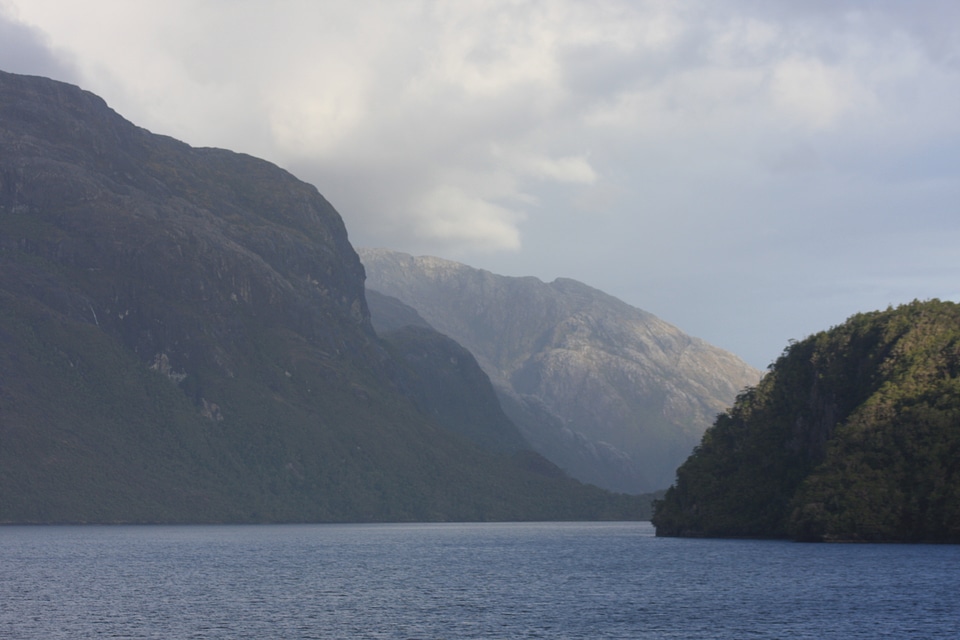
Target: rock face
[[184, 337], [218, 232], [854, 434], [610, 393]]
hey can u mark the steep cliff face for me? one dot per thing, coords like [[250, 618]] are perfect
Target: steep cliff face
[[611, 393], [854, 434], [184, 337], [221, 233]]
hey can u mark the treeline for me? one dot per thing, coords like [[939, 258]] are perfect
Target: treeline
[[853, 434]]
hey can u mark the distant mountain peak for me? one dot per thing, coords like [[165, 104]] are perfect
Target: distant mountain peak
[[611, 393]]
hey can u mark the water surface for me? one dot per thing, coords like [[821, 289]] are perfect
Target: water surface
[[522, 580]]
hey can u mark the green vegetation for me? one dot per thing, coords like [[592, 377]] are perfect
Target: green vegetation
[[853, 434]]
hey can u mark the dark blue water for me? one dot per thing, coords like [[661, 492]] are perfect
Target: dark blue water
[[596, 580]]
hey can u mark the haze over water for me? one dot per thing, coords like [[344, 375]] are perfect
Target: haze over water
[[532, 580]]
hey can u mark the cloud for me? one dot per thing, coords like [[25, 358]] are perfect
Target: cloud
[[574, 169], [450, 215], [26, 50], [815, 94], [727, 149]]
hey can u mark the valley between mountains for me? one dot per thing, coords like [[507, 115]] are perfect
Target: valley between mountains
[[187, 335], [612, 394]]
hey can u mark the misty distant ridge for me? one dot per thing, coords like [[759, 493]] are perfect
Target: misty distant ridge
[[610, 393]]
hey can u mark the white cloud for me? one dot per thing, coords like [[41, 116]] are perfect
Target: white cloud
[[570, 169], [665, 139], [449, 214], [815, 94], [319, 119]]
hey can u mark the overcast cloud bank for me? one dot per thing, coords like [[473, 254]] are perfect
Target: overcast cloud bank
[[750, 171]]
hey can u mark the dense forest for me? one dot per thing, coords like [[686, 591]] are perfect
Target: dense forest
[[853, 434]]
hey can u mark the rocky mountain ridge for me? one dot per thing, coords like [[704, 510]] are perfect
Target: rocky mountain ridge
[[611, 393]]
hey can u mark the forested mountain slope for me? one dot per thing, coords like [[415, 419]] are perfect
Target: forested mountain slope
[[853, 434]]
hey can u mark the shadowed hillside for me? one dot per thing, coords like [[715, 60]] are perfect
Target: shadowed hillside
[[184, 337]]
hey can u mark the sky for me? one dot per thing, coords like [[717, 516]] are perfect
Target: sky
[[751, 171]]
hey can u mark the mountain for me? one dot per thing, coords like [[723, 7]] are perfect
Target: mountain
[[613, 395], [853, 434], [184, 337], [389, 314]]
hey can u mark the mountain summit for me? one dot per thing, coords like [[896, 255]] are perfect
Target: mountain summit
[[612, 394]]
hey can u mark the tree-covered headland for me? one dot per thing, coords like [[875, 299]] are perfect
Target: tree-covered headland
[[853, 434]]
